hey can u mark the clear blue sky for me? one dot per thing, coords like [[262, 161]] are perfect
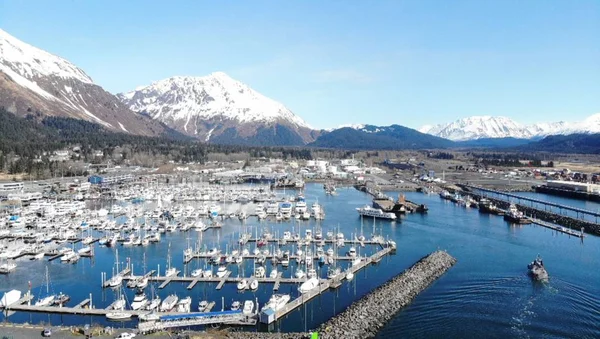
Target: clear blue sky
[[335, 62]]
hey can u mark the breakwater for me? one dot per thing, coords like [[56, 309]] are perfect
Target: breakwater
[[365, 317]]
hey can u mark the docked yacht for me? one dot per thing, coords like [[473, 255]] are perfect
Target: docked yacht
[[300, 205], [308, 285], [139, 301], [184, 305], [169, 303], [368, 211], [276, 302], [153, 304], [222, 271]]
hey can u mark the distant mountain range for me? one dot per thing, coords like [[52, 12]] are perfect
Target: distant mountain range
[[479, 127], [218, 109]]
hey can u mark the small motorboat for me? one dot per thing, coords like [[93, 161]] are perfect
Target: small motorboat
[[242, 285], [537, 270], [254, 284], [202, 306], [235, 306]]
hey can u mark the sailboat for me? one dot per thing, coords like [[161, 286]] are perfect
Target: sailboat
[[171, 271], [49, 298], [117, 279], [119, 308]]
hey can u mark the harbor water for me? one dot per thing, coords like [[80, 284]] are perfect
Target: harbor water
[[486, 294]]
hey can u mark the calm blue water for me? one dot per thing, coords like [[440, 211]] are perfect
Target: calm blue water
[[487, 293]]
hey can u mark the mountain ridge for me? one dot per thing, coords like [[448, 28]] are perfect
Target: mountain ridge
[[34, 81], [208, 106], [478, 127]]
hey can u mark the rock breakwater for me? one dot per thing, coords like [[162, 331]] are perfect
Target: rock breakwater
[[365, 317]]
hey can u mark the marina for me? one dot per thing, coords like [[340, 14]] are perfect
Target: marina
[[364, 262]]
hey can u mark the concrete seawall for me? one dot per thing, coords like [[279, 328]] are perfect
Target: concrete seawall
[[365, 317]]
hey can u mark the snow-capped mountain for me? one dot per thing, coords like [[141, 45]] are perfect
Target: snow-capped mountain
[[478, 127], [220, 109], [35, 82]]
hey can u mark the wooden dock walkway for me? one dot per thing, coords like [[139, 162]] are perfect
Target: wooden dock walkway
[[83, 303], [210, 306], [223, 280], [168, 280], [558, 228], [277, 281]]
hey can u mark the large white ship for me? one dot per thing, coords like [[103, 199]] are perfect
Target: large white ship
[[368, 211]]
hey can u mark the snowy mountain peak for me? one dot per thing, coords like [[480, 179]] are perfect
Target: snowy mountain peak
[[353, 126], [215, 96], [31, 62], [477, 127]]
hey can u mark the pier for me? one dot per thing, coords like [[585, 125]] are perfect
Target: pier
[[325, 284], [546, 217]]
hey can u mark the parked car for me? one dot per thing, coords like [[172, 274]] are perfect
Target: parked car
[[125, 335]]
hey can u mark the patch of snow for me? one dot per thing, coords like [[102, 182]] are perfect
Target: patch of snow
[[209, 134], [354, 126], [123, 127], [26, 83]]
